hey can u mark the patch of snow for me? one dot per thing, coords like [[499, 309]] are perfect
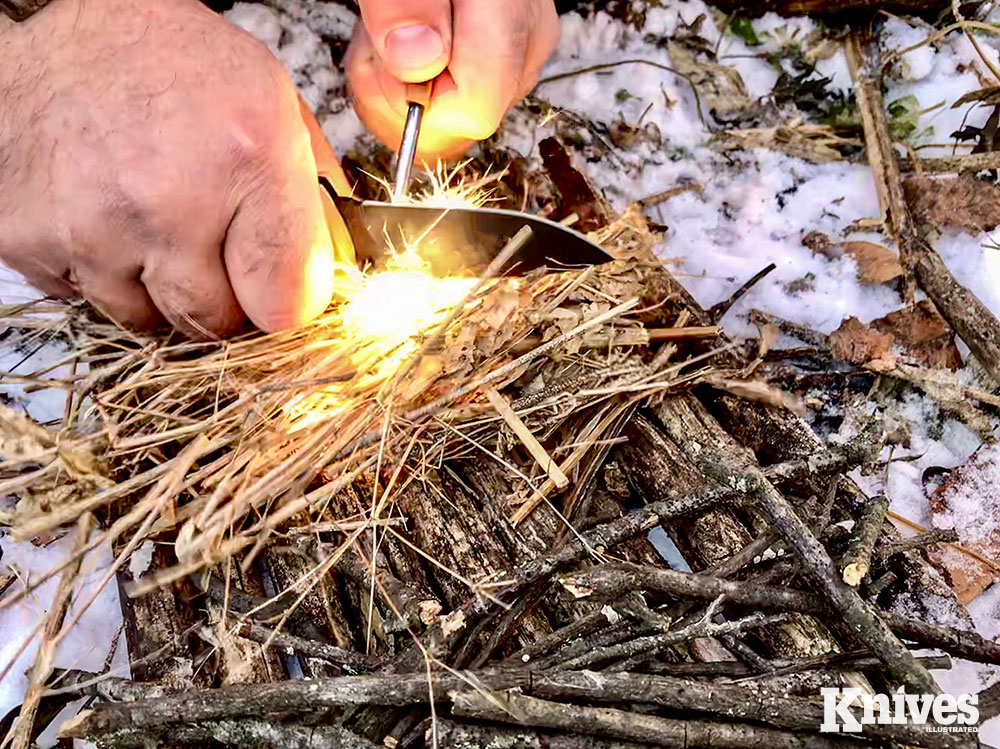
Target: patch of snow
[[934, 442], [964, 677], [140, 560], [87, 644], [980, 485]]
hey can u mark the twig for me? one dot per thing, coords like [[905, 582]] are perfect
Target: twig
[[609, 65], [718, 311], [296, 697], [857, 560], [919, 541], [42, 667], [534, 447], [971, 162], [349, 661], [613, 580], [452, 733], [673, 192], [793, 329], [657, 643], [511, 707], [244, 733], [965, 313], [961, 643]]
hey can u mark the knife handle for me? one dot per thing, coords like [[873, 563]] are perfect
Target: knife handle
[[419, 93]]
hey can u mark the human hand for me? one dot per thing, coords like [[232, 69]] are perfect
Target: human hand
[[154, 159], [484, 54]]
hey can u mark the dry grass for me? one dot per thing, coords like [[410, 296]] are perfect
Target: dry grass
[[222, 448]]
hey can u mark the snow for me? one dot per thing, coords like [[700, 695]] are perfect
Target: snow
[[754, 207], [980, 485], [87, 645]]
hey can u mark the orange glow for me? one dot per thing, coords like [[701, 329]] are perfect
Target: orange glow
[[392, 306]]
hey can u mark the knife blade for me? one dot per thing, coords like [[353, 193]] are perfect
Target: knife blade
[[463, 240]]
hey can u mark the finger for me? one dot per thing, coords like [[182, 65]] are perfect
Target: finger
[[485, 84], [328, 166], [42, 263], [278, 251], [123, 299], [326, 160], [43, 271], [380, 102], [412, 37], [193, 292]]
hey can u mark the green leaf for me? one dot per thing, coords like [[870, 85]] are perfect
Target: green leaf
[[743, 28], [904, 116]]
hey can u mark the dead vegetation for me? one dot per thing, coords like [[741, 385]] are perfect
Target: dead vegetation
[[459, 537]]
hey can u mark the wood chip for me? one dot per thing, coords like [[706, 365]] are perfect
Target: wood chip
[[520, 429]]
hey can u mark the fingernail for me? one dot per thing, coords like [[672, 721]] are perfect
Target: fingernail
[[413, 47]]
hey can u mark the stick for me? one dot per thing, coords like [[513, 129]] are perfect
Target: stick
[[41, 669], [297, 697], [651, 644], [612, 581], [245, 733], [965, 313], [510, 707], [524, 434], [348, 660], [719, 311], [451, 733], [859, 616], [961, 643], [857, 561], [919, 541], [854, 661]]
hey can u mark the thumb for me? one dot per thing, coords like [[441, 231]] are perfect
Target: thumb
[[328, 166], [278, 252], [413, 37]]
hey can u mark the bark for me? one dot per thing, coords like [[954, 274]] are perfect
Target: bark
[[601, 721], [299, 698], [455, 735], [245, 733], [857, 561], [919, 541]]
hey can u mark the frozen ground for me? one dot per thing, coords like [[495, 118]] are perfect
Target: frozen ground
[[753, 208]]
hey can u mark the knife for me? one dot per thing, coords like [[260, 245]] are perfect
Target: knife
[[461, 240]]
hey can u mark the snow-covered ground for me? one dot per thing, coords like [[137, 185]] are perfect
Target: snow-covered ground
[[753, 208]]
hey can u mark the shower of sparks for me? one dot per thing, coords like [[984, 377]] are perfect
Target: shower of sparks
[[392, 306], [384, 314]]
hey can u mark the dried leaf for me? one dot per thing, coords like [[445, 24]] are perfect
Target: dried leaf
[[816, 143], [760, 392], [876, 264], [963, 201], [720, 86], [987, 95], [923, 334], [969, 502], [856, 343]]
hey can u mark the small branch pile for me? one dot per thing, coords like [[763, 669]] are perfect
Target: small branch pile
[[451, 534]]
